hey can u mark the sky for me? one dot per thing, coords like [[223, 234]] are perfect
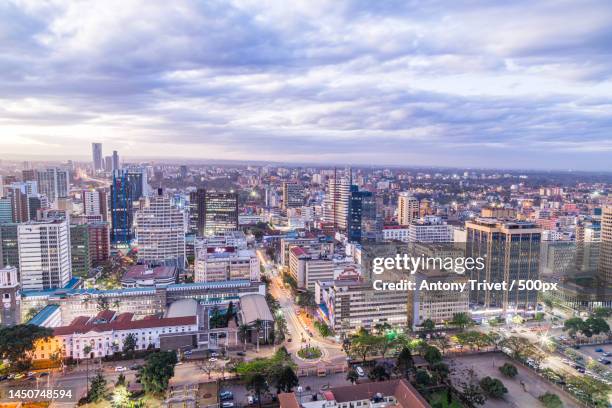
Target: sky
[[509, 84]]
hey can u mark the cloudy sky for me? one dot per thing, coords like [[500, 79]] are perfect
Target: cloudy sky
[[460, 83]]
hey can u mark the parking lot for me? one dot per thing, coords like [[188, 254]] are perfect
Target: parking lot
[[523, 390], [590, 351]]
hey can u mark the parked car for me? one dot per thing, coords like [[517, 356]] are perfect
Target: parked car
[[226, 395], [212, 359], [360, 371], [214, 354], [188, 352], [227, 404], [252, 399], [241, 353], [19, 376], [135, 367], [599, 350], [120, 369]]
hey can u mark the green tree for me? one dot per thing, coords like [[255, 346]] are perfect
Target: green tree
[[470, 389], [121, 397], [323, 329], [432, 355], [573, 326], [157, 371], [257, 384], [602, 312], [493, 387], [550, 400], [120, 380], [379, 373], [286, 380], [428, 326], [352, 376], [129, 343], [422, 378], [440, 372], [243, 333], [17, 343], [258, 325], [98, 388], [462, 320], [508, 370], [405, 362], [102, 304], [443, 343]]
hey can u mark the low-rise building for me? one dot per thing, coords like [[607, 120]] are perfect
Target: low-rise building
[[394, 393], [143, 276], [214, 264]]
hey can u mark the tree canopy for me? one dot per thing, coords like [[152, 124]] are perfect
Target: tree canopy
[[17, 343], [157, 371]]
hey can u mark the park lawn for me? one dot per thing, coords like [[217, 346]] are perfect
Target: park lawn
[[439, 399]]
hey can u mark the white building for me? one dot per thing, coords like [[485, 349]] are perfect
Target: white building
[[10, 296], [407, 208], [395, 233], [335, 206], [430, 229], [95, 203], [44, 255], [160, 232], [214, 264], [54, 183]]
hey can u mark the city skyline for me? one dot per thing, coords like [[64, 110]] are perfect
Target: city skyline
[[513, 86]]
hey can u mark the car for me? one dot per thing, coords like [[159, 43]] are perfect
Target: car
[[289, 340], [606, 362], [360, 371], [135, 367], [227, 404], [43, 374], [120, 369], [214, 354], [241, 353], [188, 352], [581, 370], [566, 361], [252, 399], [576, 347], [212, 359], [599, 350], [226, 395], [607, 354], [3, 377], [19, 376]]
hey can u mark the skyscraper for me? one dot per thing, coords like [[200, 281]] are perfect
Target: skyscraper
[[99, 242], [160, 232], [197, 211], [511, 251], [293, 195], [363, 223], [122, 210], [115, 160], [44, 255], [54, 183], [336, 203], [79, 249], [98, 164], [95, 202], [604, 270], [407, 208], [220, 213]]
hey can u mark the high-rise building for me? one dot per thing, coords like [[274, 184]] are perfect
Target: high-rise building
[[115, 160], [363, 222], [99, 242], [122, 208], [160, 232], [19, 203], [336, 203], [54, 183], [220, 213], [9, 245], [604, 269], [98, 164], [407, 208], [197, 211], [44, 255], [430, 229], [95, 202], [293, 195], [29, 175], [108, 163], [79, 249], [511, 251], [6, 210]]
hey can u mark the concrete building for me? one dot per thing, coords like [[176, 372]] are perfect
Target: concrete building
[[395, 233], [97, 161], [336, 203], [9, 245], [10, 313], [142, 276], [160, 232], [293, 195], [604, 269], [99, 242], [385, 394], [214, 264], [54, 183], [430, 229], [407, 208], [44, 255], [80, 249], [254, 308], [95, 203], [221, 212]]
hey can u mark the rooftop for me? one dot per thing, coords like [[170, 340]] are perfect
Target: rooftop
[[254, 307], [405, 394], [43, 315], [144, 272]]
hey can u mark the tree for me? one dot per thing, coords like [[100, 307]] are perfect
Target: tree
[[243, 333], [550, 400], [422, 378], [257, 384], [405, 363], [102, 304], [462, 320], [428, 326], [597, 325], [549, 304], [286, 380], [573, 325], [323, 329], [352, 376], [602, 312], [229, 313], [471, 392], [97, 389], [17, 343], [379, 373], [258, 325], [508, 370], [86, 351], [493, 387], [440, 372], [208, 367], [120, 380], [432, 355], [121, 397], [157, 371], [129, 343], [443, 343]]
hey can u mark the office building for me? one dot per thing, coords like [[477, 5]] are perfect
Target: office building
[[430, 229], [604, 269], [122, 208], [197, 211], [29, 175], [160, 232], [336, 203], [54, 183], [6, 210], [98, 164], [293, 195], [363, 222], [215, 264], [407, 208], [99, 242], [511, 250], [95, 202], [9, 245], [19, 203], [220, 213], [143, 276], [44, 255], [9, 296], [115, 160], [79, 249]]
